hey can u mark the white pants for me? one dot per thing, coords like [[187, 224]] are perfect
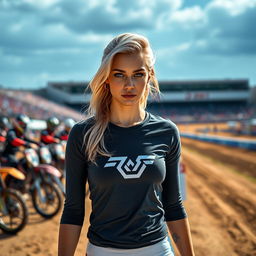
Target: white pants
[[161, 248]]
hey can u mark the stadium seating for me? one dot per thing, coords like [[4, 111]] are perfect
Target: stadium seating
[[36, 107]]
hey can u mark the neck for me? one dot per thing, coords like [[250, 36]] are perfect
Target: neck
[[127, 118]]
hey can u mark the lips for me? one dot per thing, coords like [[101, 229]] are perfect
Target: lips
[[128, 96]]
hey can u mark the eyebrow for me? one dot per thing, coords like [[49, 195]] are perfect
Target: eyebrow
[[122, 71]]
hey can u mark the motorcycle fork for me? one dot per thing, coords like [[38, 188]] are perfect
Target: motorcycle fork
[[50, 178], [37, 185], [3, 207], [60, 184]]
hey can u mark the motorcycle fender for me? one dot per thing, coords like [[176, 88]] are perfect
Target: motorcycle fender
[[13, 172], [49, 169]]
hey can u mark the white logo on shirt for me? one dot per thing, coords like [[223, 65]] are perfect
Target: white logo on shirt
[[136, 169]]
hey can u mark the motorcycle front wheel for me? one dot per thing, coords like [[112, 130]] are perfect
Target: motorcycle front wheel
[[13, 212], [46, 200]]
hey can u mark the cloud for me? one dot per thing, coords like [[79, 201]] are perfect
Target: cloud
[[27, 25], [54, 37], [233, 7], [98, 16], [188, 17], [222, 27], [112, 16], [230, 28], [29, 28], [172, 50]]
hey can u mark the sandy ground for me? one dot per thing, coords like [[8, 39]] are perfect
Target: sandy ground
[[221, 207], [224, 202], [195, 128]]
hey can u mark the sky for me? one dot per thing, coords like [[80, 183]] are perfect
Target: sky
[[63, 40]]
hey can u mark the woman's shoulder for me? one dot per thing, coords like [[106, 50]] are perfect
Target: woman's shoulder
[[81, 127], [163, 122]]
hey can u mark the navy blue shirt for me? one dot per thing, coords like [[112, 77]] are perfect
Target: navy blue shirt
[[134, 191]]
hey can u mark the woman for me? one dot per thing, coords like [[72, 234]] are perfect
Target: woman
[[130, 158]]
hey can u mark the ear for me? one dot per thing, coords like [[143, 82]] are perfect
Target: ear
[[107, 81]]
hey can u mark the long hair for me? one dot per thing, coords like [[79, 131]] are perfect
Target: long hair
[[99, 107]]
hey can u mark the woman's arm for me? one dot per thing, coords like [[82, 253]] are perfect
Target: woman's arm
[[175, 213], [68, 239], [74, 208], [181, 235]]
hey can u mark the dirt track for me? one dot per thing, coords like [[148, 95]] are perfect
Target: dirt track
[[221, 206], [227, 200], [210, 127]]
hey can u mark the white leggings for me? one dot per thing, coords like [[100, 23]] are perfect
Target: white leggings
[[161, 248]]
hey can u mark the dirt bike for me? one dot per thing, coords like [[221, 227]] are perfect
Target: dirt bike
[[58, 155], [46, 198], [13, 209], [46, 159]]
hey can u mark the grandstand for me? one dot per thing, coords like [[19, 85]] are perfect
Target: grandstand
[[36, 107], [204, 100], [182, 101]]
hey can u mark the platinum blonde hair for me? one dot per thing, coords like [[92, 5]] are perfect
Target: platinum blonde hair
[[99, 107]]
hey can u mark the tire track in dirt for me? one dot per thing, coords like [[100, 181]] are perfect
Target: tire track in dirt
[[230, 196], [239, 197], [207, 236], [240, 159], [226, 202]]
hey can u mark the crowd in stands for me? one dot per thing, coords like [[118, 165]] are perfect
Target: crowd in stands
[[13, 102], [188, 113]]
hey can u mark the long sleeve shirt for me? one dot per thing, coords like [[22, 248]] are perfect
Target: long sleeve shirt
[[134, 191]]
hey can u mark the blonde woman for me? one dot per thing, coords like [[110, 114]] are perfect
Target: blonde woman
[[130, 159]]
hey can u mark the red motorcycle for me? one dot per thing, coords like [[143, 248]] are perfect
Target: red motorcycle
[[46, 198], [46, 160]]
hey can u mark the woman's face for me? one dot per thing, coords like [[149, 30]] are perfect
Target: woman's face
[[128, 79]]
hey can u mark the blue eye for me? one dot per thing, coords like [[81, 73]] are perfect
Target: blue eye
[[139, 75], [118, 75]]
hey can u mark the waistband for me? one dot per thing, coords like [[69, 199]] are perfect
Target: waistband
[[162, 248]]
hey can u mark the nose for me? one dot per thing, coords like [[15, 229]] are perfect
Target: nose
[[129, 82]]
